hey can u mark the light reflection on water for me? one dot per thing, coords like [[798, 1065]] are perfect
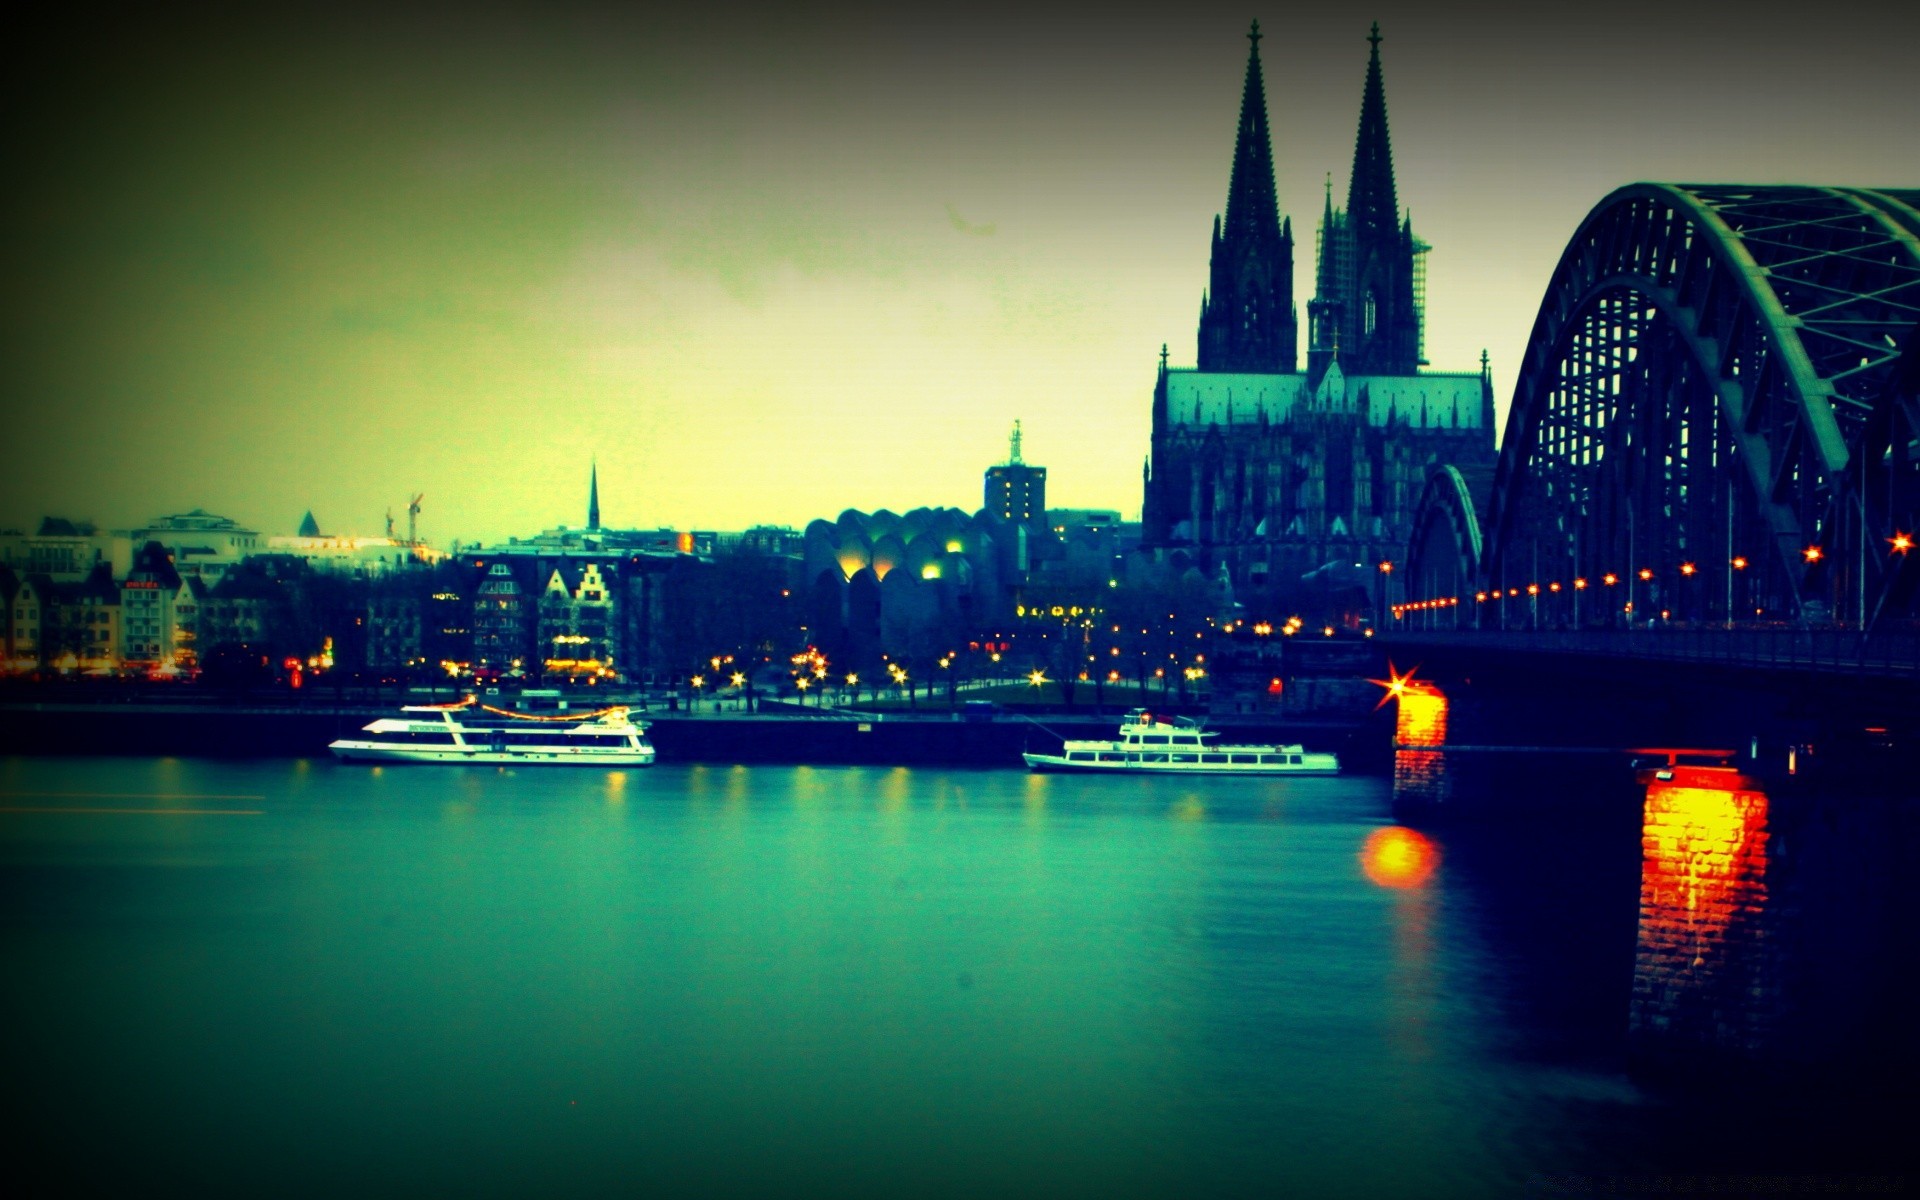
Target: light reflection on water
[[729, 980]]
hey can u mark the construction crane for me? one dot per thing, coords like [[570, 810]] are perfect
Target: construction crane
[[413, 517]]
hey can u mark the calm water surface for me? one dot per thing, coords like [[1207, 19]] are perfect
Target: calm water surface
[[300, 977]]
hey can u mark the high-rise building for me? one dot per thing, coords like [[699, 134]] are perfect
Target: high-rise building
[[1016, 491], [1275, 471]]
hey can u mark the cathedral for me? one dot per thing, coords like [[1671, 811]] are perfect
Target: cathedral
[[1275, 472]]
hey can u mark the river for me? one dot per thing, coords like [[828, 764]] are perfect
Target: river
[[298, 977]]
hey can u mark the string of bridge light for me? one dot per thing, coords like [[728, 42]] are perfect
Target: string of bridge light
[[1901, 543]]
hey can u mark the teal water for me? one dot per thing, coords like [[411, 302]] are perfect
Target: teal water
[[273, 978]]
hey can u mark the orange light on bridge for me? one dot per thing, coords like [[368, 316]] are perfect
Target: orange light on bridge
[[1580, 584], [1687, 568], [1398, 857], [1902, 542], [1554, 586], [1645, 573], [1609, 579], [1533, 589], [1395, 683], [1739, 562], [1479, 597], [1812, 554], [1386, 568]]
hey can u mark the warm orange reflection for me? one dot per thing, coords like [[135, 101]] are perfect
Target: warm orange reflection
[[1398, 857], [1705, 843], [1420, 720], [1702, 973]]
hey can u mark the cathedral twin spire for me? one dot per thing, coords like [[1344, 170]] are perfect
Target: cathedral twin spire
[[1251, 204], [1247, 320], [1364, 297], [1370, 199]]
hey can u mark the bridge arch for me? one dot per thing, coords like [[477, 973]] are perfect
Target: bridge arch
[[1443, 555], [1706, 409]]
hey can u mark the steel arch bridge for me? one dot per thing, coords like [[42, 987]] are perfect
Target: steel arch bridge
[[1715, 420]]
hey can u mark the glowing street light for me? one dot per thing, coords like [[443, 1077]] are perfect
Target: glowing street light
[[738, 679], [1902, 542], [1645, 574], [1812, 554], [1609, 579], [1687, 568], [1036, 677]]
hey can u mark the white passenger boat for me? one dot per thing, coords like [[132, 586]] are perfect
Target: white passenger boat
[[451, 733], [1180, 748]]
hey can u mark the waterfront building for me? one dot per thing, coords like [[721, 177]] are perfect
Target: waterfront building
[[202, 543], [28, 599], [912, 585], [577, 636], [240, 610], [84, 630], [1276, 472], [64, 550], [395, 626], [159, 621], [353, 554], [502, 625], [611, 587]]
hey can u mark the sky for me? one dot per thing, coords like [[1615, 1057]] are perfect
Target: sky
[[765, 264]]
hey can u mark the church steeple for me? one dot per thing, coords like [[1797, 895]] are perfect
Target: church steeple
[[593, 499], [1371, 204], [1247, 318], [1251, 206], [1365, 297]]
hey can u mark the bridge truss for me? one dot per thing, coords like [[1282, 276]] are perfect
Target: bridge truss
[[1716, 417]]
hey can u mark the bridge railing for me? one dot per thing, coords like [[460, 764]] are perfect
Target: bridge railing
[[1893, 652]]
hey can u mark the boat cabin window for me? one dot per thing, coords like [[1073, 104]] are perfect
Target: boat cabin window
[[419, 737], [1155, 739]]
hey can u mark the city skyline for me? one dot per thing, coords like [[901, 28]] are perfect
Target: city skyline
[[766, 267]]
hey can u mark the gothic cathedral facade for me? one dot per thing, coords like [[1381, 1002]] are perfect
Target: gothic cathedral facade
[[1277, 472]]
